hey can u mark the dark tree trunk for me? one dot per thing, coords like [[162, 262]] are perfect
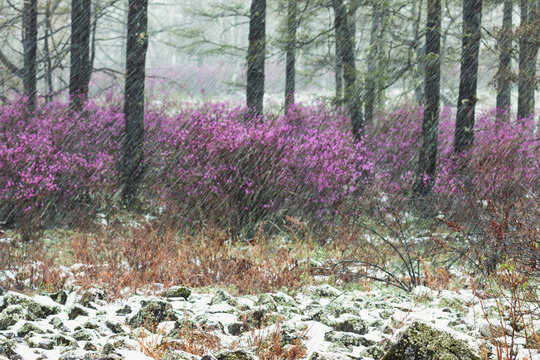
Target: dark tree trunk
[[137, 44], [528, 50], [419, 52], [290, 72], [46, 50], [80, 52], [30, 51], [345, 39], [256, 56], [372, 73], [472, 18], [428, 153], [338, 74], [504, 75]]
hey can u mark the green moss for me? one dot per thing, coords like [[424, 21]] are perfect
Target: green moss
[[422, 342]]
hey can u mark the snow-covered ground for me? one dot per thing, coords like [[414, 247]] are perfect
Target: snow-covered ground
[[330, 323]]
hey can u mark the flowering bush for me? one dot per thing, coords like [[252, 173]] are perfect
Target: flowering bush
[[214, 161]]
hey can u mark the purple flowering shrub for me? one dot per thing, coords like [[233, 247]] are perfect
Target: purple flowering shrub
[[211, 162], [55, 158], [215, 161], [503, 163]]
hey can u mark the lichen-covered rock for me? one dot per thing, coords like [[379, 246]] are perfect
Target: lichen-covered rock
[[326, 290], [40, 342], [7, 320], [268, 301], [171, 354], [63, 340], [28, 328], [114, 327], [223, 296], [351, 324], [83, 335], [422, 342], [34, 309], [125, 310], [58, 324], [75, 311], [7, 349], [79, 354], [152, 313], [347, 339], [178, 292], [234, 355], [60, 297]]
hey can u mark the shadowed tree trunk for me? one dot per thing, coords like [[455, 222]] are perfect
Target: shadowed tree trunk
[[338, 74], [418, 73], [528, 50], [345, 39], [137, 44], [30, 51], [290, 72], [428, 153], [472, 18], [504, 75], [256, 56], [80, 71], [373, 53]]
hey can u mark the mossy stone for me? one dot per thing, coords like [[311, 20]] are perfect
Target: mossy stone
[[178, 292], [422, 342]]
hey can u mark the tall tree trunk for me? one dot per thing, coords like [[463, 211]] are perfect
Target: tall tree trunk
[[372, 73], [30, 51], [472, 18], [338, 74], [256, 56], [428, 153], [80, 52], [346, 47], [46, 50], [137, 44], [504, 75], [528, 50], [419, 51], [290, 72]]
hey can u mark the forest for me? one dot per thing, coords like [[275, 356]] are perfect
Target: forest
[[264, 180]]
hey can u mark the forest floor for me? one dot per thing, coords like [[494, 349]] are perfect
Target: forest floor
[[138, 293]]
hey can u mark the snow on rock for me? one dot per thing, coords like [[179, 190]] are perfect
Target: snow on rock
[[329, 323]]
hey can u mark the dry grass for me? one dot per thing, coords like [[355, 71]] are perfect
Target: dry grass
[[123, 258]]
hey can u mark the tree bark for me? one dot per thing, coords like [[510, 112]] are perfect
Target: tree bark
[[338, 74], [346, 48], [80, 71], [504, 75], [30, 51], [528, 50], [290, 71], [137, 44], [472, 18], [370, 83], [256, 57], [430, 126]]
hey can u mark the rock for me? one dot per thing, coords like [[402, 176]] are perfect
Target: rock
[[237, 328], [1, 291], [58, 324], [90, 346], [208, 357], [76, 311], [40, 342], [491, 331], [268, 301], [351, 324], [7, 321], [326, 290], [34, 309], [171, 354], [422, 342], [234, 355], [178, 292], [373, 352], [83, 335], [347, 339], [60, 297], [223, 296], [28, 328], [124, 310], [63, 340], [7, 349], [152, 313], [108, 348], [79, 354], [114, 327]]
